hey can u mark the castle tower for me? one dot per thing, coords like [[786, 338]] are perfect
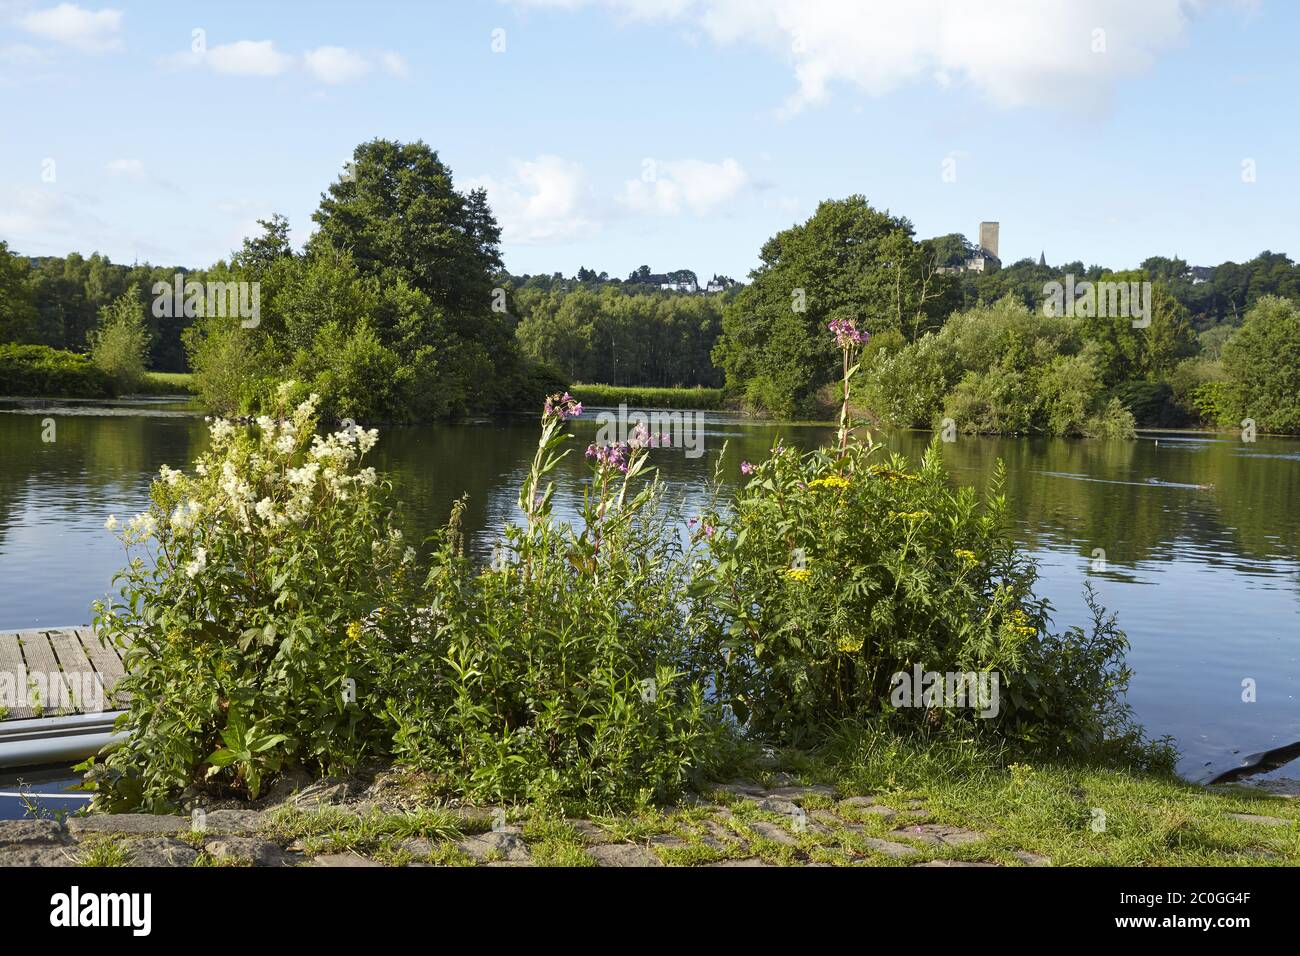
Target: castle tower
[[989, 238]]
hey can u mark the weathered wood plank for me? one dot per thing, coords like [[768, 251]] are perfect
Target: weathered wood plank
[[51, 693], [89, 690], [106, 661], [13, 680]]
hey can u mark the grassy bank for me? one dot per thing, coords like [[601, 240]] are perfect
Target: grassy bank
[[872, 799], [168, 383], [710, 399]]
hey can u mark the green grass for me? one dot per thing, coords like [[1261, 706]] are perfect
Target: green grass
[[103, 851], [612, 395], [168, 383], [1076, 815]]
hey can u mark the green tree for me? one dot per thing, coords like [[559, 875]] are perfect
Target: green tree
[[119, 346], [848, 259], [1262, 362]]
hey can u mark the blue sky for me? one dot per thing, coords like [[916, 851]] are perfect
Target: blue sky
[[677, 133]]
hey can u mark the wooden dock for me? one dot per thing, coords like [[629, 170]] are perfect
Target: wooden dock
[[57, 672]]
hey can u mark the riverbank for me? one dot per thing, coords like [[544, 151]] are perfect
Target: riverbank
[[706, 399], [895, 808]]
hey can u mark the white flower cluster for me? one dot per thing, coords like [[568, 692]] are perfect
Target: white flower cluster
[[243, 489]]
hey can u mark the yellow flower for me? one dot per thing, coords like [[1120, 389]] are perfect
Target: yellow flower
[[830, 481], [797, 574], [968, 556], [848, 643], [882, 472], [910, 515], [354, 631]]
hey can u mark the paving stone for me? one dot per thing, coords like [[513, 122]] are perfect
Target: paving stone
[[939, 835], [800, 793], [1264, 821], [770, 831], [342, 860], [1032, 859], [668, 841], [858, 802], [950, 863], [417, 846], [232, 822], [623, 854], [747, 861], [160, 851], [588, 831], [31, 833], [741, 788], [889, 848], [777, 805], [37, 855], [128, 824], [248, 849], [505, 844]]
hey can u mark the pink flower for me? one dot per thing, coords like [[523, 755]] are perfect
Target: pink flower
[[746, 468], [847, 334]]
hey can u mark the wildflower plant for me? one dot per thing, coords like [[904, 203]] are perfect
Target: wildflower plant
[[897, 569], [528, 678], [259, 589]]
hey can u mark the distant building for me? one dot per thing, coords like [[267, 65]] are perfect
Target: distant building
[[680, 285], [1201, 274], [985, 258]]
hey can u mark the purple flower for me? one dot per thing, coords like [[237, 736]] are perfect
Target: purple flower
[[692, 522], [562, 407], [617, 456], [708, 531], [847, 334], [746, 468]]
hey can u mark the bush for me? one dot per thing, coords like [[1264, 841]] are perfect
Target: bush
[[836, 571], [561, 674], [120, 344], [1262, 362], [277, 620], [40, 370], [255, 617], [997, 369]]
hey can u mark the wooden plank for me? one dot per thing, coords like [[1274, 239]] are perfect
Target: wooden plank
[[89, 691], [44, 675], [107, 664], [13, 680]]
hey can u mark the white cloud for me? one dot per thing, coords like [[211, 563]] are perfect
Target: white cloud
[[332, 65], [545, 200], [247, 58], [92, 31], [335, 64], [128, 168], [1014, 52], [671, 187], [394, 64]]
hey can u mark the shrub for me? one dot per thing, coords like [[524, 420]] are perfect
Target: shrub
[[229, 370], [119, 346], [254, 616], [1262, 362], [40, 370], [561, 673], [835, 571]]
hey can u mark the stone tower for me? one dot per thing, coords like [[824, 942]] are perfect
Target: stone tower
[[989, 238]]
